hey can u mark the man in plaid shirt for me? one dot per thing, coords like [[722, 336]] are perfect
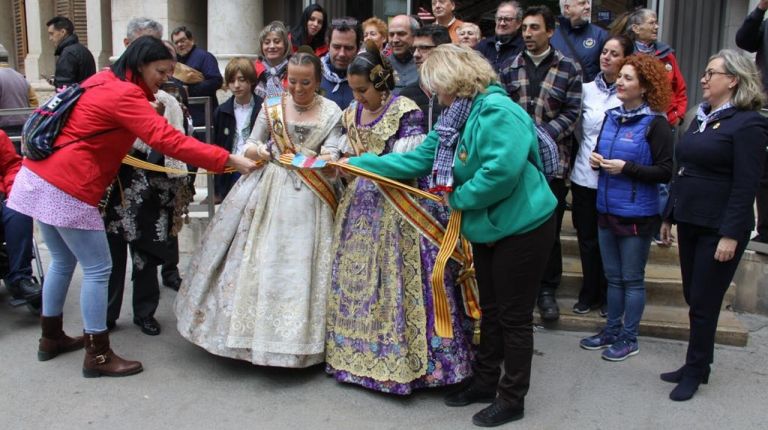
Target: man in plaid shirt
[[548, 86]]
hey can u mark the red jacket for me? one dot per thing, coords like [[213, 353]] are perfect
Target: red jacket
[[679, 103], [85, 168], [10, 162]]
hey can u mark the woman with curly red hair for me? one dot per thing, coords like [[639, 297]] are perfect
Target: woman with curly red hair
[[633, 155]]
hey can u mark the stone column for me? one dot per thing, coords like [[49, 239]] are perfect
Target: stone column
[[233, 28], [40, 60], [99, 16]]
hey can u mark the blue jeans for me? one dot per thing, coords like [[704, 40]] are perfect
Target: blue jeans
[[68, 246], [17, 228], [624, 259]]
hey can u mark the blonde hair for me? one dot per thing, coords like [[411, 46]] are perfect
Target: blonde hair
[[748, 94], [457, 70]]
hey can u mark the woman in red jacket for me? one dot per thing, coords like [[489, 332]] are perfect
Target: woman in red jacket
[[62, 192]]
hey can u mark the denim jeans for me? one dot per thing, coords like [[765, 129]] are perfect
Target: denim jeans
[[18, 241], [68, 246], [624, 259]]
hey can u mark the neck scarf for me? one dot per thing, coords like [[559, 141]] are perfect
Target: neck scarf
[[274, 76], [645, 48], [330, 75], [704, 118], [603, 86], [448, 125], [643, 109]]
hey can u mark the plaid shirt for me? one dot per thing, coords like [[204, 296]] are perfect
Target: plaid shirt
[[558, 106]]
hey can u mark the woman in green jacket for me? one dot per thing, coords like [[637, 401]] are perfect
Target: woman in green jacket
[[483, 154]]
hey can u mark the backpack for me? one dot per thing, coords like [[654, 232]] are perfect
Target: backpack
[[45, 123]]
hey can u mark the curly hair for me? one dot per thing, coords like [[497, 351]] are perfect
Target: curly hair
[[653, 79]]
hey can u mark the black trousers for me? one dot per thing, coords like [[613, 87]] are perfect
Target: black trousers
[[146, 289], [584, 214], [508, 275], [705, 281], [170, 268], [553, 273], [762, 206]]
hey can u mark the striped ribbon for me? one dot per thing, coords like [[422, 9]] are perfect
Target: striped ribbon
[[141, 164], [443, 326]]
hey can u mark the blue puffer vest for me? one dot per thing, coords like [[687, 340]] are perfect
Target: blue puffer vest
[[626, 139]]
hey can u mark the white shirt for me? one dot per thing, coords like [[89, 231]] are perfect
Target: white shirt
[[595, 104], [242, 119]]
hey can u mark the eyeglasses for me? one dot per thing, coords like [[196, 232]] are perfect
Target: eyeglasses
[[503, 19], [423, 48], [707, 75], [343, 22]]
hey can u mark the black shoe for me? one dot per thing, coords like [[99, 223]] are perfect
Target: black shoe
[[149, 325], [26, 289], [581, 308], [469, 394], [677, 376], [173, 284], [111, 325], [686, 388], [500, 412], [548, 308]]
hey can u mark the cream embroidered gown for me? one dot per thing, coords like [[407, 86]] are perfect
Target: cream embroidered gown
[[256, 289]]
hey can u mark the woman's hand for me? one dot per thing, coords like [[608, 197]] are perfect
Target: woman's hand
[[613, 167], [726, 249], [241, 164], [595, 160], [665, 233], [257, 152]]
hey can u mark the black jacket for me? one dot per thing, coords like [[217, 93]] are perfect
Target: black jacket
[[224, 122], [74, 62], [505, 52], [719, 173], [415, 93]]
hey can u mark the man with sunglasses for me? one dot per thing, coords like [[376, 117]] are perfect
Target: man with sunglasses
[[425, 41], [343, 44], [507, 42]]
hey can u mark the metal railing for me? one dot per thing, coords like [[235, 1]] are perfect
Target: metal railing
[[207, 128]]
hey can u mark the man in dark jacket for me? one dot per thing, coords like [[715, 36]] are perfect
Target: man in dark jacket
[[205, 63], [343, 44], [579, 39], [507, 42], [74, 62], [753, 37], [425, 40]]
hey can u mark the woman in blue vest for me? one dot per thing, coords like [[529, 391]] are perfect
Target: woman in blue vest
[[633, 155], [720, 160]]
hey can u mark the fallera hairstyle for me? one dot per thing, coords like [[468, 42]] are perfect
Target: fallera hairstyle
[[141, 51], [138, 26], [279, 29], [438, 33], [59, 22], [374, 67], [306, 55], [380, 25], [653, 79], [624, 22], [344, 25], [626, 44], [748, 94], [544, 12], [457, 70], [300, 34], [182, 29], [242, 65], [514, 4]]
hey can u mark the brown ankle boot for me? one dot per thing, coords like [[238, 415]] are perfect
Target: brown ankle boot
[[54, 341], [100, 360]]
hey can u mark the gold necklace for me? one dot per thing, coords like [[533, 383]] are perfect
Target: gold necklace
[[307, 107]]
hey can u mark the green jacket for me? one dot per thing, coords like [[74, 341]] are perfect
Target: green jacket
[[498, 185]]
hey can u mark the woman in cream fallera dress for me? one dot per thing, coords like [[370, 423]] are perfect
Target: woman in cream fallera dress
[[256, 290]]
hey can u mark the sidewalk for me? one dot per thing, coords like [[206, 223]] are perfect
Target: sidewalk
[[184, 387]]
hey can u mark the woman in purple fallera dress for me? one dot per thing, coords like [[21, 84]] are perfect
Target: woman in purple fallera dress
[[381, 322]]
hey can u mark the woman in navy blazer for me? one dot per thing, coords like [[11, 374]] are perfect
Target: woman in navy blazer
[[720, 160]]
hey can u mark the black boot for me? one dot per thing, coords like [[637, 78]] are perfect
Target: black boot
[[548, 307], [677, 375], [468, 394], [500, 412], [26, 289], [686, 388]]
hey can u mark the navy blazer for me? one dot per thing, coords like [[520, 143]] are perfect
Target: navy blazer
[[719, 172], [224, 122]]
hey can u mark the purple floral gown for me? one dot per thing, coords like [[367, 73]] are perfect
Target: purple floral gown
[[381, 324]]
